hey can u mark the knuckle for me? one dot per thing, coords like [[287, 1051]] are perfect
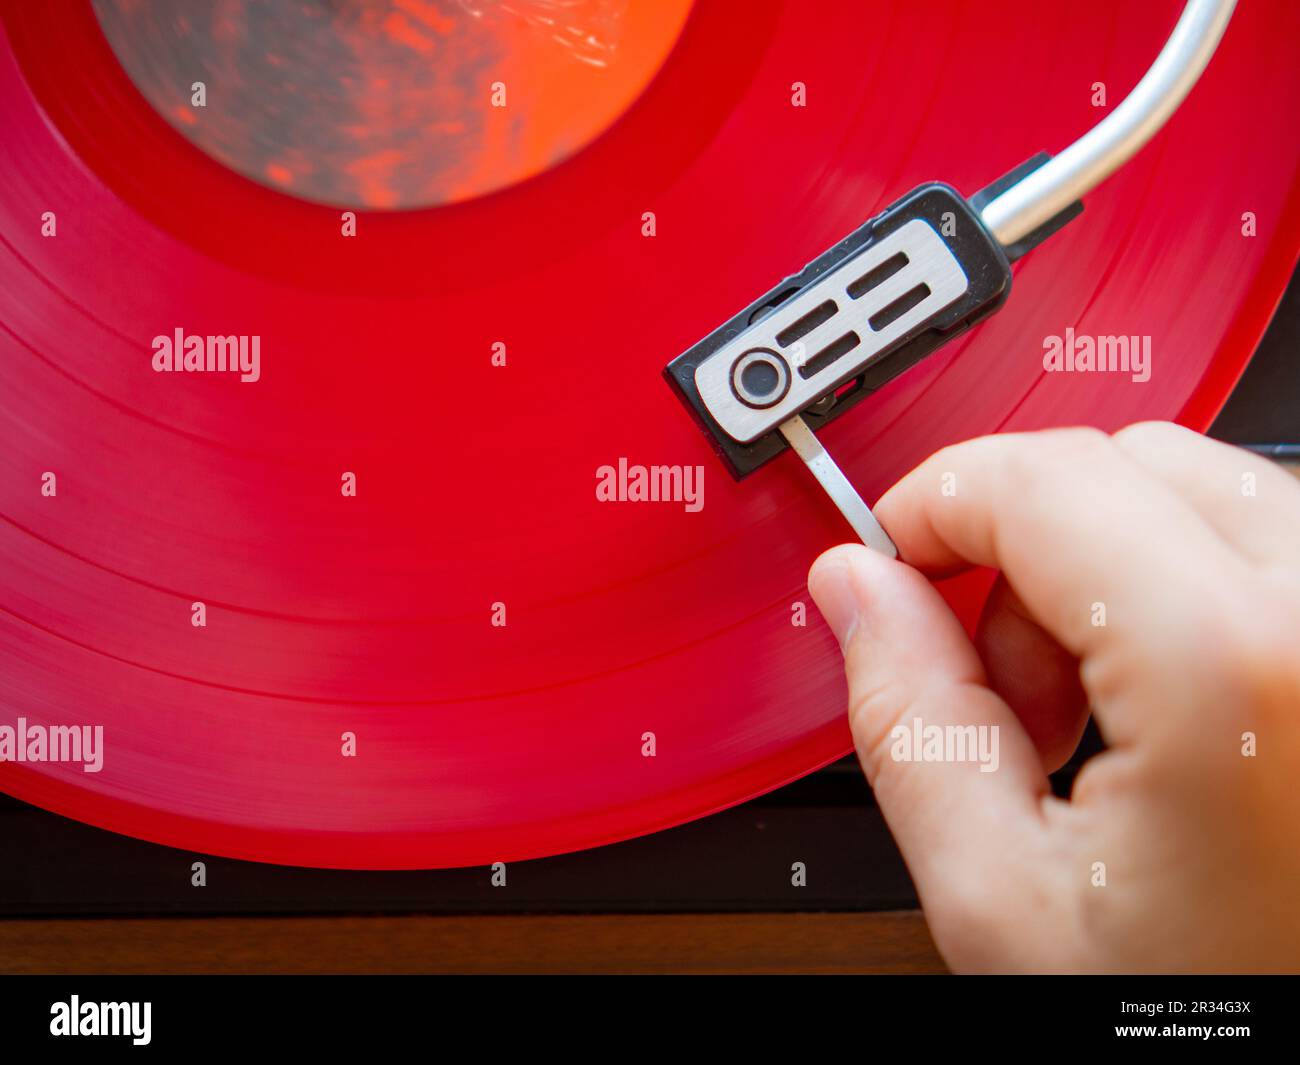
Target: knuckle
[[1148, 435], [1245, 652], [1256, 656], [1079, 441], [874, 711], [1042, 457]]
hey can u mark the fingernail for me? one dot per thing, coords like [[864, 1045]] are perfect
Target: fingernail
[[831, 586]]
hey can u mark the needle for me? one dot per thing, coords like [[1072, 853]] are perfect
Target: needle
[[831, 477]]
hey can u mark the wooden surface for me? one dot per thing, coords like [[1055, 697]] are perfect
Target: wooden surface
[[652, 943]]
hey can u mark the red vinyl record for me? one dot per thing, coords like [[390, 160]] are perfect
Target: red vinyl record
[[466, 659]]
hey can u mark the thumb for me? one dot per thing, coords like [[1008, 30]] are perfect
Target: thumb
[[956, 776]]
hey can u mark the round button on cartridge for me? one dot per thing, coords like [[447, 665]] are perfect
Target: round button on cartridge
[[760, 378]]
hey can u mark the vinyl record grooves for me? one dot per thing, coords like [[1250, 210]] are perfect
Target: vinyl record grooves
[[372, 615]]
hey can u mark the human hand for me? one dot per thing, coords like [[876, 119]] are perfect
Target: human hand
[[1152, 576]]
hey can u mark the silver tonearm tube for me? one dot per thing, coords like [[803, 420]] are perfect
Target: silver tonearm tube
[[1106, 147]]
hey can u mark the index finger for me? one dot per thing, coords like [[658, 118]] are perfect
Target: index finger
[[1096, 548]]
